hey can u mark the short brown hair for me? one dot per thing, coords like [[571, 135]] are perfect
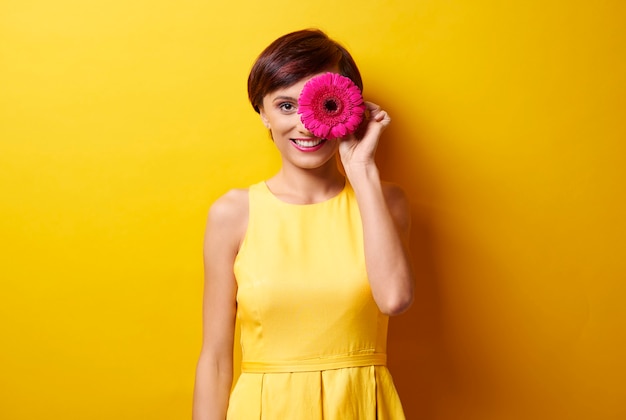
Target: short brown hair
[[295, 56]]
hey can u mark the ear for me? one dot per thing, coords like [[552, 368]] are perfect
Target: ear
[[264, 118]]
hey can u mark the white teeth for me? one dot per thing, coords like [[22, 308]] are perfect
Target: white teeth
[[307, 143]]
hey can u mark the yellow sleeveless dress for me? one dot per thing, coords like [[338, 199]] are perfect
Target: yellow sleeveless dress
[[313, 340]]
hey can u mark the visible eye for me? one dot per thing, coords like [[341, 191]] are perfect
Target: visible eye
[[287, 107]]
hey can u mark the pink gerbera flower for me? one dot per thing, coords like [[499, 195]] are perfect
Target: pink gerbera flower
[[331, 106]]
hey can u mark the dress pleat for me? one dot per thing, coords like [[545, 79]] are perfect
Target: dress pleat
[[360, 393]]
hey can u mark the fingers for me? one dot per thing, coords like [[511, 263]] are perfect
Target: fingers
[[377, 113]]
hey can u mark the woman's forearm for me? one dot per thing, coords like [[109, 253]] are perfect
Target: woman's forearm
[[212, 389], [386, 254]]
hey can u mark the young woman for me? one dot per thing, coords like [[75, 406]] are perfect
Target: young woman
[[311, 261]]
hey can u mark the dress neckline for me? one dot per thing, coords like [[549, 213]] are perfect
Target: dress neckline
[[287, 203]]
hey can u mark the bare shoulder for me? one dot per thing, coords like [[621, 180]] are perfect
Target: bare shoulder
[[230, 206], [398, 205], [228, 217]]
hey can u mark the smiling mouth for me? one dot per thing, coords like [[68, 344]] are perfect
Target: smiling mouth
[[308, 143]]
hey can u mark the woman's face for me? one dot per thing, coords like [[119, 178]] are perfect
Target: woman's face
[[297, 145]]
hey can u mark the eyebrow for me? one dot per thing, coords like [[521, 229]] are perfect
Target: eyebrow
[[284, 97]]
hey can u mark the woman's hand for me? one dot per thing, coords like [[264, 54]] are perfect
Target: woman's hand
[[361, 152]]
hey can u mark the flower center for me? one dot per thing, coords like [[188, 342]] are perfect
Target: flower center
[[331, 105]]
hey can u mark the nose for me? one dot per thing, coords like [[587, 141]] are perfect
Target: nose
[[302, 129]]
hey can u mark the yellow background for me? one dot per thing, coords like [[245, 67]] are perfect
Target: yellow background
[[121, 121]]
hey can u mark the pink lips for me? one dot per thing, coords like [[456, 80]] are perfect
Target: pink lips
[[308, 145]]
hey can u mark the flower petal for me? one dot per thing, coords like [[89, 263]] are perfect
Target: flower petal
[[339, 120]]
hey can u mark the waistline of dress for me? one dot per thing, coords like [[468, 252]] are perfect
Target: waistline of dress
[[316, 364]]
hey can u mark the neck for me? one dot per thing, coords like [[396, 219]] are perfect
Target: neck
[[307, 186]]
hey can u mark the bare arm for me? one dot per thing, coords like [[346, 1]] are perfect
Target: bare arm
[[386, 219], [214, 373]]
